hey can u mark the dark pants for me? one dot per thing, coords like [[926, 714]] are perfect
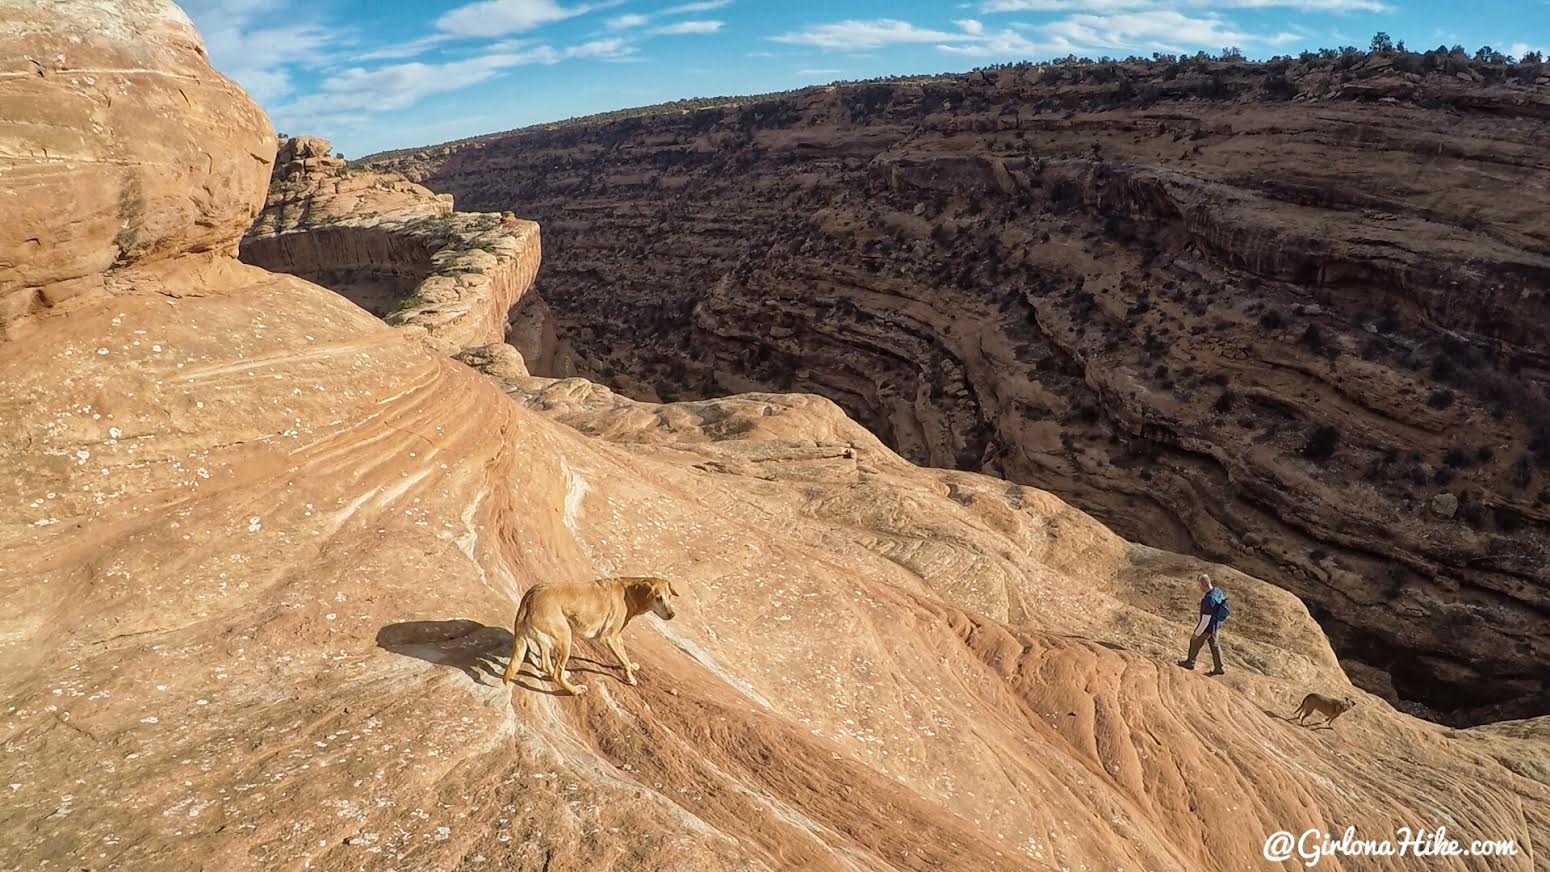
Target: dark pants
[[1216, 650]]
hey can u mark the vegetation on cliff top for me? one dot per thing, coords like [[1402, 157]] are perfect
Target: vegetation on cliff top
[[1384, 55]]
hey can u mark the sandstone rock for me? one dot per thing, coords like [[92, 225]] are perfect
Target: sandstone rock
[[499, 361], [1154, 335], [307, 154], [394, 248], [98, 179], [1444, 505], [261, 550]]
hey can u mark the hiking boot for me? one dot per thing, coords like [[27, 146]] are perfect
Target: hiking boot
[[1187, 664], [1216, 672]]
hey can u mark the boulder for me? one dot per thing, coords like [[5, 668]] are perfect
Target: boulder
[[96, 176]]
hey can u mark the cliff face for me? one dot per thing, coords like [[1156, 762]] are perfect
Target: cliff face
[[394, 248], [1304, 336]]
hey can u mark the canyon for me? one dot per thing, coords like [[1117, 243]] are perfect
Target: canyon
[[263, 539], [1287, 316]]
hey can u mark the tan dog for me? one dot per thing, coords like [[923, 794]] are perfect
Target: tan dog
[[550, 614], [1329, 707]]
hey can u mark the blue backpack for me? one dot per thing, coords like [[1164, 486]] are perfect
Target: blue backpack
[[1223, 611]]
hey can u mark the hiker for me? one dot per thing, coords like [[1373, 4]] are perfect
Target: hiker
[[1213, 611]]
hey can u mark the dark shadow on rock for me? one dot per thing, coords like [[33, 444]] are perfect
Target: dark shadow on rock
[[1292, 719], [467, 645], [475, 649]]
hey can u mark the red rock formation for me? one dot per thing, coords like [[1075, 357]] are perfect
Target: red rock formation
[[1267, 331], [393, 247], [105, 181], [260, 550]]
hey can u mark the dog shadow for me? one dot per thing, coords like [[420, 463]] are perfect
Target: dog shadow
[[1322, 725], [475, 649]]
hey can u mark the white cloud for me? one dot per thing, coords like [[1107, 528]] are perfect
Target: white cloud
[[358, 90], [1144, 30], [633, 20], [607, 49], [690, 8], [396, 51], [820, 72], [257, 56], [1304, 5], [856, 35], [1158, 29], [1124, 5], [1519, 49], [500, 17], [625, 22], [1006, 43], [687, 27], [970, 39]]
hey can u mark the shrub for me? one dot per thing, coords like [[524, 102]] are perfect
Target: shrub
[[1321, 443], [1507, 520], [1388, 321], [1522, 472], [1272, 320], [1312, 337], [1440, 399], [1472, 514], [1442, 368]]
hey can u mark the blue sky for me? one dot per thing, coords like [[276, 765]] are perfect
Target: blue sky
[[374, 74]]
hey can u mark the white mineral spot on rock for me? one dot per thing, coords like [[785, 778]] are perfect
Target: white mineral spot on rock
[[150, 719], [102, 351]]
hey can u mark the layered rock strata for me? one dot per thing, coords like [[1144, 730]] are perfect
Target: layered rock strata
[[1283, 316]]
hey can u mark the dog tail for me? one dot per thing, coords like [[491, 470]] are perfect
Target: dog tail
[[518, 654], [519, 634]]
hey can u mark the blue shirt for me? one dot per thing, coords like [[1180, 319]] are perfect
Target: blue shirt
[[1210, 603]]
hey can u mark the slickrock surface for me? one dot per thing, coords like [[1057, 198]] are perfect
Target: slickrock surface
[[1287, 317], [260, 551], [394, 248]]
